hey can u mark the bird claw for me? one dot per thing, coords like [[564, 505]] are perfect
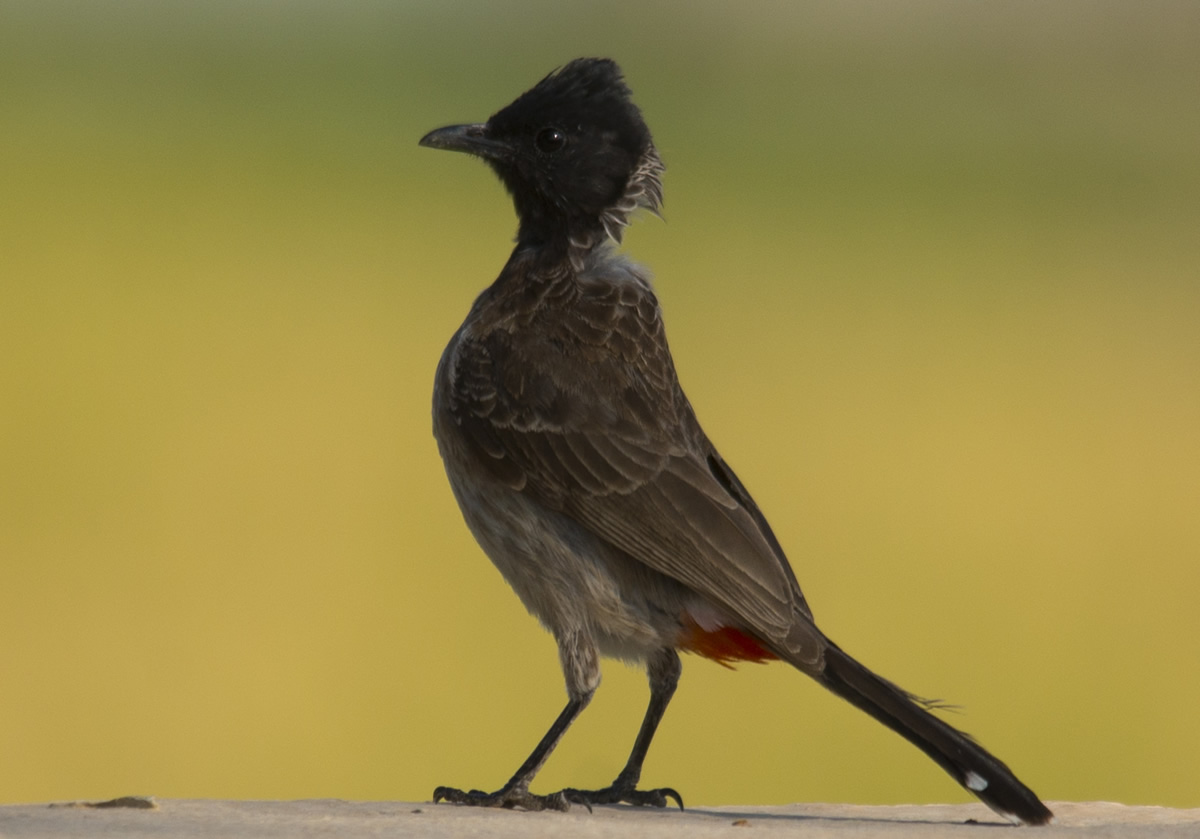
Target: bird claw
[[621, 794], [508, 798]]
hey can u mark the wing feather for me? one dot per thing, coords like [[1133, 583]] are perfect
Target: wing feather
[[611, 441]]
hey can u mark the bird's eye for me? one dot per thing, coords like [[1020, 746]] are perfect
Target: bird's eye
[[550, 140]]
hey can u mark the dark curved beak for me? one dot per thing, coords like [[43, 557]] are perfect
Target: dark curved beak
[[472, 139]]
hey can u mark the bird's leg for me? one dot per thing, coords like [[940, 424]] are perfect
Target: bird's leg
[[516, 792], [581, 669], [663, 670]]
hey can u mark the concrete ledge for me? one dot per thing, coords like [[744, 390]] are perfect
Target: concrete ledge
[[188, 818]]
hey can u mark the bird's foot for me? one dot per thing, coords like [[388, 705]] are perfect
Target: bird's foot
[[623, 793], [508, 798]]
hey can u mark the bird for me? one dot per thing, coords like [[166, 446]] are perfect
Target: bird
[[582, 471]]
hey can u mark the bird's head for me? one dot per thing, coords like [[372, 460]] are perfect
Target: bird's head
[[573, 152]]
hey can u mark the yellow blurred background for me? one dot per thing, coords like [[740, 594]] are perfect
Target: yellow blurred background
[[931, 274]]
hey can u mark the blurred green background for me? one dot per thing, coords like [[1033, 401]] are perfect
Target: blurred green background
[[931, 274]]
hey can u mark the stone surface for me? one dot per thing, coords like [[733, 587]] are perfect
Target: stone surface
[[186, 818]]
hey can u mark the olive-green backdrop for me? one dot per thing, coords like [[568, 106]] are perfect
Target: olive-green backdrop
[[931, 274]]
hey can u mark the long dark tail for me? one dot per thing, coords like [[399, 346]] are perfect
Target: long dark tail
[[966, 761]]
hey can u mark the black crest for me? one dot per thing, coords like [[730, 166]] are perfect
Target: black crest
[[573, 151]]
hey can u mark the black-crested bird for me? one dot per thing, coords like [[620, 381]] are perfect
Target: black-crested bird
[[583, 472]]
